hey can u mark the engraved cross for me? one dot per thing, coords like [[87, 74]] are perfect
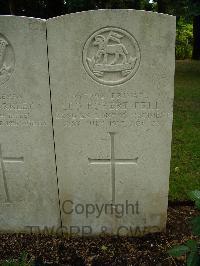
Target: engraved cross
[[113, 162], [4, 160]]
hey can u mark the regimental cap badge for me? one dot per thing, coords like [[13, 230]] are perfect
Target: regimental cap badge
[[111, 56], [7, 60]]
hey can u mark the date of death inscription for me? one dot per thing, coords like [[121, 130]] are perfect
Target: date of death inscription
[[112, 110]]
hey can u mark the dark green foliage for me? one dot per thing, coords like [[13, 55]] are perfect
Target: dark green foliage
[[184, 39], [47, 8], [22, 261], [194, 195], [193, 259], [196, 226], [78, 5], [178, 251], [186, 8], [189, 9], [191, 247]]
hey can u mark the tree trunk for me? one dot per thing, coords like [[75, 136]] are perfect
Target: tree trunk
[[12, 7], [55, 8], [196, 35], [108, 4], [162, 6]]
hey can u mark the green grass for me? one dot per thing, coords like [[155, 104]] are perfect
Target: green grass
[[185, 162]]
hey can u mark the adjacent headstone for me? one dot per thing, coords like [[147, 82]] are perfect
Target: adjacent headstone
[[112, 79], [28, 184]]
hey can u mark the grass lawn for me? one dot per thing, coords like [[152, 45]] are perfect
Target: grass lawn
[[185, 162]]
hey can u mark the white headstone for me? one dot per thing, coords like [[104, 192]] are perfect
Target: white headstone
[[112, 82], [28, 185]]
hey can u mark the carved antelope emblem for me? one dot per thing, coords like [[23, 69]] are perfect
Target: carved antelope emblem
[[111, 56], [3, 45], [105, 48]]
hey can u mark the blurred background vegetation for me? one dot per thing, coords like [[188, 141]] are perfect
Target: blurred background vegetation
[[186, 11]]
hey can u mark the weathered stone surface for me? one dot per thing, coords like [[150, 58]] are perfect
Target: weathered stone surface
[[28, 185], [112, 78]]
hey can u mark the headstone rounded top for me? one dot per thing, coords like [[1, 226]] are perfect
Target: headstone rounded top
[[7, 59], [111, 56]]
